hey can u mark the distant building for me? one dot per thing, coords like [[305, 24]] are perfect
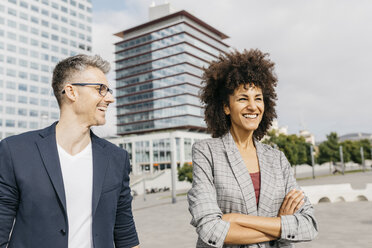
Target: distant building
[[277, 129], [355, 137], [309, 137], [34, 36], [158, 71], [158, 79]]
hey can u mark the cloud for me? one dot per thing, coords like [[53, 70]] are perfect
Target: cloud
[[321, 50]]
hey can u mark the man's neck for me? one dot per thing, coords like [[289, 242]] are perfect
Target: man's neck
[[71, 135]]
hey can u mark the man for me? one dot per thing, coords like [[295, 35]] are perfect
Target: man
[[63, 186]]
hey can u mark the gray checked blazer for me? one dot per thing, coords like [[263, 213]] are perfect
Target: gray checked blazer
[[222, 184]]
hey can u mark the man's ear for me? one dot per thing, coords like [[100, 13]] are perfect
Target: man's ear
[[226, 109], [70, 92]]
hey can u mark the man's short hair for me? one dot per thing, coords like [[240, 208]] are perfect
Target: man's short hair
[[67, 67]]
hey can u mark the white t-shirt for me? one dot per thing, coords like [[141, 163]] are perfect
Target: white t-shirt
[[77, 172]]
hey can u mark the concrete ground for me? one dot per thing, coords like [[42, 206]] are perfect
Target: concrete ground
[[347, 224]]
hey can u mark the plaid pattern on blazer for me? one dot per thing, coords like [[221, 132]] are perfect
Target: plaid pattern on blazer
[[222, 184]]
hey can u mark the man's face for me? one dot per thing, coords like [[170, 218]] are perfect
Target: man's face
[[90, 106]]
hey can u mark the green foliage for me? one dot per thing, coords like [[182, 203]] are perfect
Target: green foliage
[[329, 149], [295, 148], [185, 172]]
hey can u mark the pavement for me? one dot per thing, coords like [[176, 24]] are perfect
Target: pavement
[[345, 224]]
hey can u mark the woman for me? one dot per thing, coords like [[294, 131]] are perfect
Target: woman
[[244, 192]]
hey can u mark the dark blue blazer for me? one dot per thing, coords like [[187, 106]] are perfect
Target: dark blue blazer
[[32, 195]]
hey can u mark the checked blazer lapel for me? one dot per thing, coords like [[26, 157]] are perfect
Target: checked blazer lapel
[[48, 150], [266, 195], [100, 164], [241, 174]]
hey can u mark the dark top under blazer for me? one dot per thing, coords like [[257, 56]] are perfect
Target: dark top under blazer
[[32, 194], [222, 184]]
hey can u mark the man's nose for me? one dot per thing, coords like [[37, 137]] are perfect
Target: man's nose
[[109, 98]]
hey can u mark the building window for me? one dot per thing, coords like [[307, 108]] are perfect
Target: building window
[[34, 8], [12, 1], [11, 85], [12, 12], [33, 125], [34, 101], [11, 60], [23, 27], [10, 98], [10, 72], [11, 48], [23, 4], [34, 66], [45, 68], [34, 77], [23, 62], [55, 16], [22, 74], [12, 24], [34, 42], [55, 6], [34, 20], [10, 123], [22, 99], [22, 111], [10, 110], [45, 12], [34, 113], [23, 39], [45, 23], [23, 16], [22, 124], [34, 54], [22, 87], [34, 89], [35, 31]]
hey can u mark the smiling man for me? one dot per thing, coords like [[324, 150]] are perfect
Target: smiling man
[[63, 186]]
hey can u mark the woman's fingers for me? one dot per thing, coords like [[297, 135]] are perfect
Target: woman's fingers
[[292, 202]]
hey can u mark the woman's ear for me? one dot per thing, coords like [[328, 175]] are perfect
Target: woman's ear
[[226, 109]]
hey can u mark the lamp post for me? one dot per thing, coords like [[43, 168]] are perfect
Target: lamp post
[[362, 157], [312, 160], [342, 160]]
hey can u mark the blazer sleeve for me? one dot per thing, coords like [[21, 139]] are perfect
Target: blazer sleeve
[[125, 234], [9, 196], [302, 225], [206, 214]]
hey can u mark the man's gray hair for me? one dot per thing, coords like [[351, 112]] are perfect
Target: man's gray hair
[[65, 69]]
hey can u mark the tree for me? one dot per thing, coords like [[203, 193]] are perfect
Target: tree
[[185, 172], [295, 148], [329, 149]]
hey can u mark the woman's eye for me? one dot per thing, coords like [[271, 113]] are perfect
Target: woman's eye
[[258, 99], [242, 99]]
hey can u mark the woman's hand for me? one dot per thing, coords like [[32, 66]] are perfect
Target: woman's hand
[[293, 201]]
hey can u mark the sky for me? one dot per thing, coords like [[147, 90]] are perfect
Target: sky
[[322, 50]]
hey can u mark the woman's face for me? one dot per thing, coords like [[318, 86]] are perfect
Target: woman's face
[[246, 107]]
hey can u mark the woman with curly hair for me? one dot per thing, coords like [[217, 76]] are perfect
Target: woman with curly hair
[[244, 193]]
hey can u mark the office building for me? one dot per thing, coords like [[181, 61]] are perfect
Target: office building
[[34, 36], [158, 78], [158, 71]]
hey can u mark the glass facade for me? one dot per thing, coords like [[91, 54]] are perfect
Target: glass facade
[[158, 76], [34, 36]]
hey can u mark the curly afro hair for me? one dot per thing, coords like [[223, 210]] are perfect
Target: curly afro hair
[[225, 75]]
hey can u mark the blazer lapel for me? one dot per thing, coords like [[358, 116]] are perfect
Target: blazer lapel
[[100, 163], [241, 174], [48, 150], [265, 161]]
